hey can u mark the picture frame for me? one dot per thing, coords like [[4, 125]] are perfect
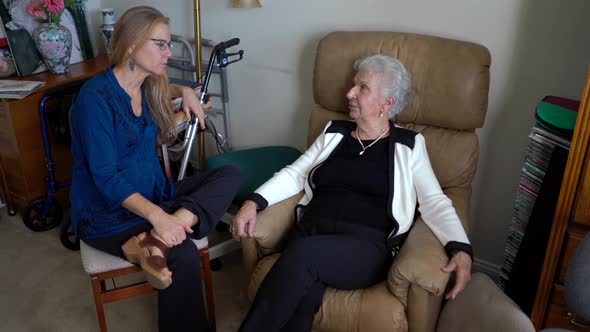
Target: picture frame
[[7, 65], [21, 53], [22, 49]]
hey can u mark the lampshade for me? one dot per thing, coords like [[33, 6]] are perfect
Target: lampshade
[[246, 3]]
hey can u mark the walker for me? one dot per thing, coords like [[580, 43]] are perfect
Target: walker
[[220, 58], [44, 213]]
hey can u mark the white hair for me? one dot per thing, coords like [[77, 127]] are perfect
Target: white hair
[[396, 81]]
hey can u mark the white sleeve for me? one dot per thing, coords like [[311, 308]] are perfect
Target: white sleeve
[[435, 207], [291, 179]]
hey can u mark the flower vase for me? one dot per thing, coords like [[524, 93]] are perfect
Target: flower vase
[[54, 42]]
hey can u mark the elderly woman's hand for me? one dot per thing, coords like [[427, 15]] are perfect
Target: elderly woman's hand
[[245, 220], [461, 264], [190, 103]]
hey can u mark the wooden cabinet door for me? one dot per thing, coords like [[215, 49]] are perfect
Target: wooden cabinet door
[[582, 204], [573, 204]]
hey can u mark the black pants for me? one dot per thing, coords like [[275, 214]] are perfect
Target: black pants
[[207, 195], [317, 255]]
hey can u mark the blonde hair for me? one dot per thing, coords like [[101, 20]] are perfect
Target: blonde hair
[[134, 28]]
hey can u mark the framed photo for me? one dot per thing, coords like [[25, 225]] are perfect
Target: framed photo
[[18, 26], [7, 65], [26, 58]]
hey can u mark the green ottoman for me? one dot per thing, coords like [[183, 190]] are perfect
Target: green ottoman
[[256, 165]]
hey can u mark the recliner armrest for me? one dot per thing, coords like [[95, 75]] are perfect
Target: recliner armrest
[[416, 278], [418, 264], [482, 306], [272, 225], [422, 255]]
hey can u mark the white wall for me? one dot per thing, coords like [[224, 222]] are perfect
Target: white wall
[[538, 47]]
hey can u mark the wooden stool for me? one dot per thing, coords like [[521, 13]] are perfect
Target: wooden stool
[[102, 266]]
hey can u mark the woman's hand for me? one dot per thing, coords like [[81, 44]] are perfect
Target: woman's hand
[[245, 220], [169, 228], [190, 103], [461, 264]]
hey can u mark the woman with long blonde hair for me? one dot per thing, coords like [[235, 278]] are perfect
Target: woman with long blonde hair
[[121, 202]]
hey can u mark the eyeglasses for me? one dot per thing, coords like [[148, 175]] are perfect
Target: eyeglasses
[[162, 44]]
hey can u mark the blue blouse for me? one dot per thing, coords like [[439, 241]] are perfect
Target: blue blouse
[[114, 157]]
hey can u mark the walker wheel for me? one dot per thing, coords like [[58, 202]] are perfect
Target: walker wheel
[[36, 221], [67, 236], [11, 212]]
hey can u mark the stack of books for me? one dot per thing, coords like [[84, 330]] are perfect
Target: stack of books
[[177, 102], [181, 121], [13, 89]]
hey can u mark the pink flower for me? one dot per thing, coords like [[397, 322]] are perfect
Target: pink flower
[[48, 11], [35, 9], [54, 6]]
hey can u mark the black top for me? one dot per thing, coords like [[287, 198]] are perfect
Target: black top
[[353, 188]]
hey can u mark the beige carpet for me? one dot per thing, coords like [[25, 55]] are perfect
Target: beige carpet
[[44, 288]]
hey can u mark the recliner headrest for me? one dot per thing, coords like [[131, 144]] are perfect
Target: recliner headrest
[[450, 78]]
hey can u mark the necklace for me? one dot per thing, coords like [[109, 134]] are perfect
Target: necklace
[[368, 146]]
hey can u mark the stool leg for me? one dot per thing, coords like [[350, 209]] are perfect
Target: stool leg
[[97, 287], [208, 280]]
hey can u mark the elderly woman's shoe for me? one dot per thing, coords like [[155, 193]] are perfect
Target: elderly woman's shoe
[[154, 267]]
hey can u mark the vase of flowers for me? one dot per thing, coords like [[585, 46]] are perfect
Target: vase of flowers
[[53, 40]]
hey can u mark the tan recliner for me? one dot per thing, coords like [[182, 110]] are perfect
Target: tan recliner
[[449, 98]]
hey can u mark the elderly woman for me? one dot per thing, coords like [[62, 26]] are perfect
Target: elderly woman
[[121, 202], [362, 180]]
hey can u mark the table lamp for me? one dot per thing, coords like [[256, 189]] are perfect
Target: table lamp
[[246, 3]]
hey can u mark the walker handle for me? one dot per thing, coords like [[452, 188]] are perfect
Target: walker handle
[[228, 43]]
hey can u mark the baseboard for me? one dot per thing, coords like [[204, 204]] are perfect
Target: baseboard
[[487, 267]]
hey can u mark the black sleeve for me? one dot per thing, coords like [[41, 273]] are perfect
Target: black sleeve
[[261, 201], [454, 246]]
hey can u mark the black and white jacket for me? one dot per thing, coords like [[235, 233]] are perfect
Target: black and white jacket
[[412, 179]]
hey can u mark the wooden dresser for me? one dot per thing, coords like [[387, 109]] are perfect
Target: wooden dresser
[[571, 223], [22, 156]]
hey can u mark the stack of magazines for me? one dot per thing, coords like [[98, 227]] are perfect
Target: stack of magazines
[[540, 147], [13, 89], [181, 121]]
